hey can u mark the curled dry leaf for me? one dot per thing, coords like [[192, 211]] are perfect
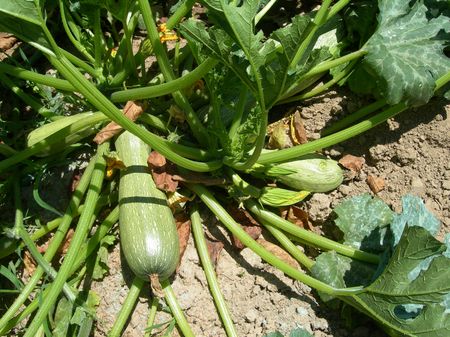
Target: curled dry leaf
[[184, 231], [7, 41], [279, 252], [248, 224], [162, 172], [297, 128], [279, 136], [376, 184], [132, 111], [352, 163]]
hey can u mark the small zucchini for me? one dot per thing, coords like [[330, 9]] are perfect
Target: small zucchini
[[312, 172], [148, 233]]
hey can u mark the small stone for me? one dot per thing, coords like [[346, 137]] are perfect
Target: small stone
[[439, 118], [446, 185], [302, 311], [406, 156], [335, 153], [345, 190], [319, 324], [251, 315], [417, 186]]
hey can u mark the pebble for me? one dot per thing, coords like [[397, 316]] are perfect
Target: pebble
[[417, 186], [319, 324], [446, 185], [345, 190], [406, 156], [251, 315], [302, 311]]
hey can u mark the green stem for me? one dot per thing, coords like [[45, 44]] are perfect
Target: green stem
[[152, 315], [75, 42], [308, 236], [165, 88], [244, 186], [210, 273], [81, 64], [311, 31], [246, 239], [53, 247], [32, 76], [127, 307], [50, 140], [99, 46], [320, 89], [194, 122], [95, 97], [176, 310], [264, 11], [180, 13], [288, 245], [322, 68], [237, 119], [79, 236], [27, 99], [337, 7], [353, 117], [316, 145]]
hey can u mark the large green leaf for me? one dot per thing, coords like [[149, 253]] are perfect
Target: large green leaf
[[23, 19], [363, 221], [405, 54]]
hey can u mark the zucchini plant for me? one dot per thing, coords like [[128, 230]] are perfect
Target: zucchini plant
[[210, 100]]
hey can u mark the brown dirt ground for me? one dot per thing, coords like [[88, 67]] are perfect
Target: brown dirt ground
[[410, 152]]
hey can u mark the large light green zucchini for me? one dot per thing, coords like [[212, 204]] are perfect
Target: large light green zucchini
[[148, 233]]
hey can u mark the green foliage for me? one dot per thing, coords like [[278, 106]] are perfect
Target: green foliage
[[408, 293], [405, 54]]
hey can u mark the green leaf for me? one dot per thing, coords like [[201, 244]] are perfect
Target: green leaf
[[23, 19], [363, 221], [341, 271], [417, 307], [62, 317], [414, 213], [405, 54], [101, 267]]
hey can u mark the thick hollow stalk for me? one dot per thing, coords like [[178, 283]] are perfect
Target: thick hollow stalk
[[127, 307], [308, 236], [53, 247], [211, 274], [165, 88], [152, 315], [316, 145], [32, 76], [289, 246], [50, 140], [95, 97], [246, 239], [194, 122], [176, 310], [184, 8], [79, 236]]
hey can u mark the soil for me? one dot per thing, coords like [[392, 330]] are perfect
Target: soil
[[409, 154]]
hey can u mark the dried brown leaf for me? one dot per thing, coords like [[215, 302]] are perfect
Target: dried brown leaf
[[162, 172], [298, 132], [248, 224], [279, 137], [279, 252], [376, 184], [7, 41], [214, 249], [352, 163], [132, 111], [156, 160], [184, 231]]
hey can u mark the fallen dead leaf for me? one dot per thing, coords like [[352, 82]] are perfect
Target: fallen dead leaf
[[214, 249], [376, 184], [352, 163], [184, 231], [75, 180], [7, 41], [132, 111], [162, 172], [248, 224], [279, 252], [279, 137], [297, 128]]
